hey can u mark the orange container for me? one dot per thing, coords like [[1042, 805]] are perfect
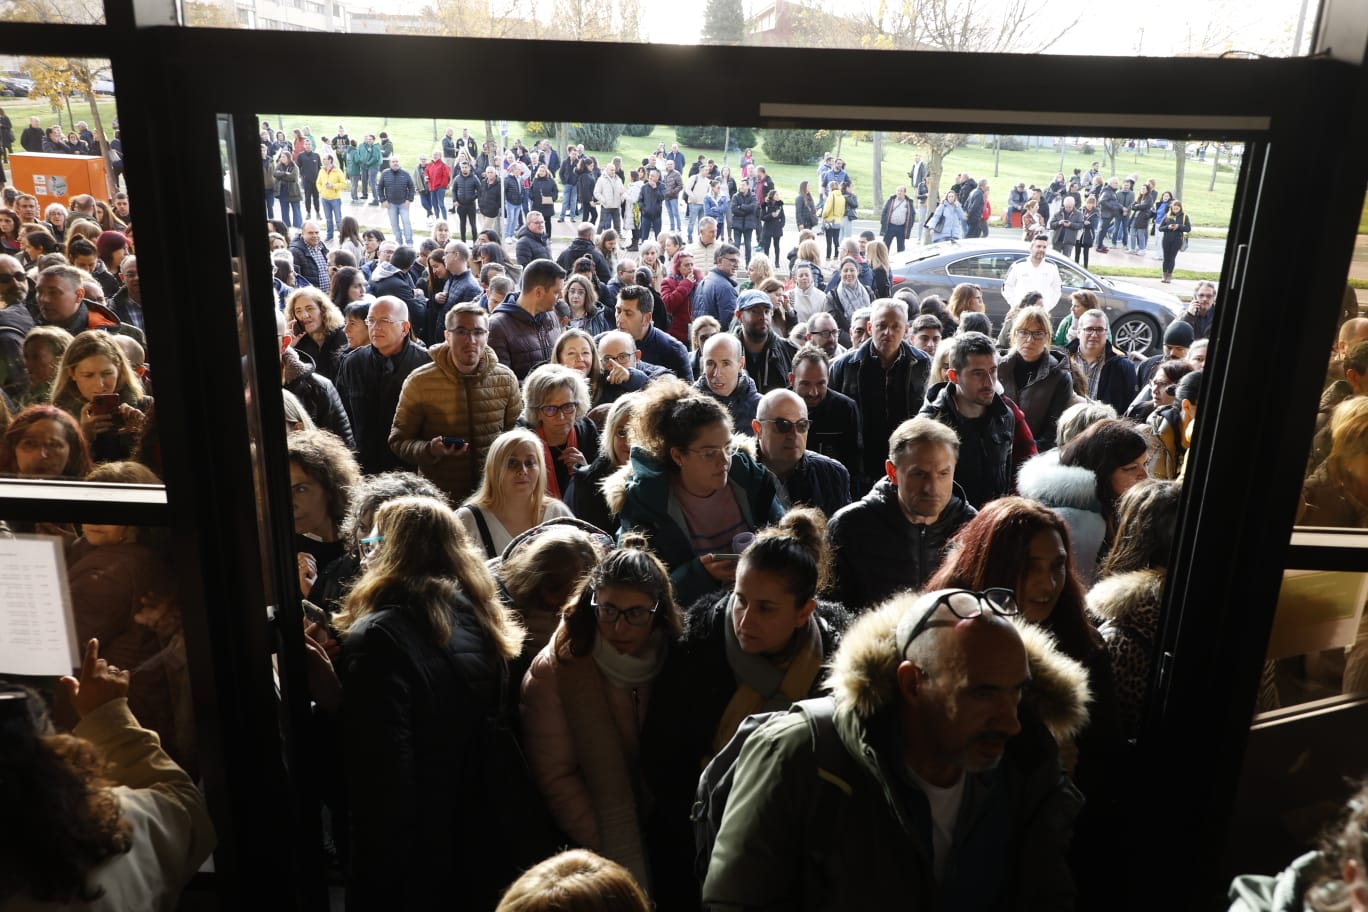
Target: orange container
[[57, 178]]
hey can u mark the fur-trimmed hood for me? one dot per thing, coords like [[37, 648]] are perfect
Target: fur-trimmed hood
[[1126, 598], [1044, 480], [864, 672]]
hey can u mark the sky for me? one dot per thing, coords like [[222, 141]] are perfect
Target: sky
[[1116, 27]]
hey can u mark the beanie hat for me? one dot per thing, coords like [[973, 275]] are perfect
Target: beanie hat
[[1179, 333]]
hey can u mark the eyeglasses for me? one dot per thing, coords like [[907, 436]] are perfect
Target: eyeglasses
[[713, 453], [370, 322], [822, 333], [637, 615], [12, 277], [965, 604], [1092, 330], [565, 411], [624, 359], [1207, 296], [461, 332], [370, 544], [784, 426], [1035, 335]]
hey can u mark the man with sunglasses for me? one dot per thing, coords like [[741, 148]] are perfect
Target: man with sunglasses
[[781, 429], [929, 781]]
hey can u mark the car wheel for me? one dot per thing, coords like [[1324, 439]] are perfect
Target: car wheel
[[1136, 333]]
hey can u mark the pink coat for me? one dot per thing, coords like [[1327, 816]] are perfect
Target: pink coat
[[550, 746]]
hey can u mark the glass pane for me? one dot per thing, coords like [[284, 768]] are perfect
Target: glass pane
[[1278, 28], [72, 333], [1319, 644], [65, 12], [1335, 493]]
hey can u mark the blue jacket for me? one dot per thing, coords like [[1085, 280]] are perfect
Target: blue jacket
[[742, 403], [715, 297], [954, 226], [640, 493], [661, 348], [717, 208], [395, 187]]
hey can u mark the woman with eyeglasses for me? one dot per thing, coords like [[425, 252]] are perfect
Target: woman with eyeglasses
[[1173, 229], [585, 495], [426, 643], [1036, 379], [512, 496], [587, 696], [1017, 544], [690, 488], [556, 408], [756, 647]]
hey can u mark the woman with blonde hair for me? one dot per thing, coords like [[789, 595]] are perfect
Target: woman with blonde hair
[[1036, 379], [585, 495], [876, 252], [316, 329], [577, 350], [97, 387], [586, 697], [512, 495], [425, 647]]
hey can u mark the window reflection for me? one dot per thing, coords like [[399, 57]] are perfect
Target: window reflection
[[1319, 644]]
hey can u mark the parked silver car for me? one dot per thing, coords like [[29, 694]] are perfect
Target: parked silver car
[[1138, 315]]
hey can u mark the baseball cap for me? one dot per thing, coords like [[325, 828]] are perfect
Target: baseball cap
[[753, 298]]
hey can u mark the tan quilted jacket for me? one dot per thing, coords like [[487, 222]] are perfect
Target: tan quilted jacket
[[438, 401]]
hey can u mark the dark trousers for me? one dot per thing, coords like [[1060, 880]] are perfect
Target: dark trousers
[[895, 233], [465, 212], [743, 236]]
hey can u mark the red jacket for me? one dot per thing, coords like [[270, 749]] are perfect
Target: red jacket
[[437, 174], [677, 292]]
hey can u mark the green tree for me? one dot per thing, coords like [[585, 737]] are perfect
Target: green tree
[[59, 79], [723, 22], [792, 147]]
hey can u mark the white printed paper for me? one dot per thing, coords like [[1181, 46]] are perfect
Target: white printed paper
[[37, 626]]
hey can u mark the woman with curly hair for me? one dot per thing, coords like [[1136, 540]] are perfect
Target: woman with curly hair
[[315, 325], [98, 819], [322, 474], [690, 488]]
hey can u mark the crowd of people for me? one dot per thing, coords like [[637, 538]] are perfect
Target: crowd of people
[[584, 533]]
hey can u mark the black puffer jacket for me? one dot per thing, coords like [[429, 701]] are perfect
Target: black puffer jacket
[[316, 393], [418, 727], [582, 247], [878, 552], [465, 188], [490, 199]]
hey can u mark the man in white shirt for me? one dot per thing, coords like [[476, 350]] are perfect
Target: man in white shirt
[[1035, 273]]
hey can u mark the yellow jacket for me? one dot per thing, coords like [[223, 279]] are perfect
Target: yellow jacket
[[336, 178]]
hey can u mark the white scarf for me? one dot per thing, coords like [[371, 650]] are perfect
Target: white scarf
[[628, 670]]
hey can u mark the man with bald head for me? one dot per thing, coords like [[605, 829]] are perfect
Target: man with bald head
[[915, 770], [370, 378], [724, 378], [15, 322], [781, 427], [623, 369]]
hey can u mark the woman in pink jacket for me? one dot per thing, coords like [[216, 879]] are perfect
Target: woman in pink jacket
[[586, 696]]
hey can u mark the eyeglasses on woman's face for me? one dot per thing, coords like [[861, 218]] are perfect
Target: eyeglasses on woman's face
[[636, 616], [712, 453], [1030, 335], [565, 411]]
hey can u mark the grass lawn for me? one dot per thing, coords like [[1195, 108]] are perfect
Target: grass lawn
[[21, 109], [414, 137]]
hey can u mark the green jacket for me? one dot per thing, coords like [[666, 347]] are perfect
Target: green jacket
[[368, 155], [788, 842]]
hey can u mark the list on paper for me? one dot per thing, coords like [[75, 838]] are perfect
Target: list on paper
[[37, 627]]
